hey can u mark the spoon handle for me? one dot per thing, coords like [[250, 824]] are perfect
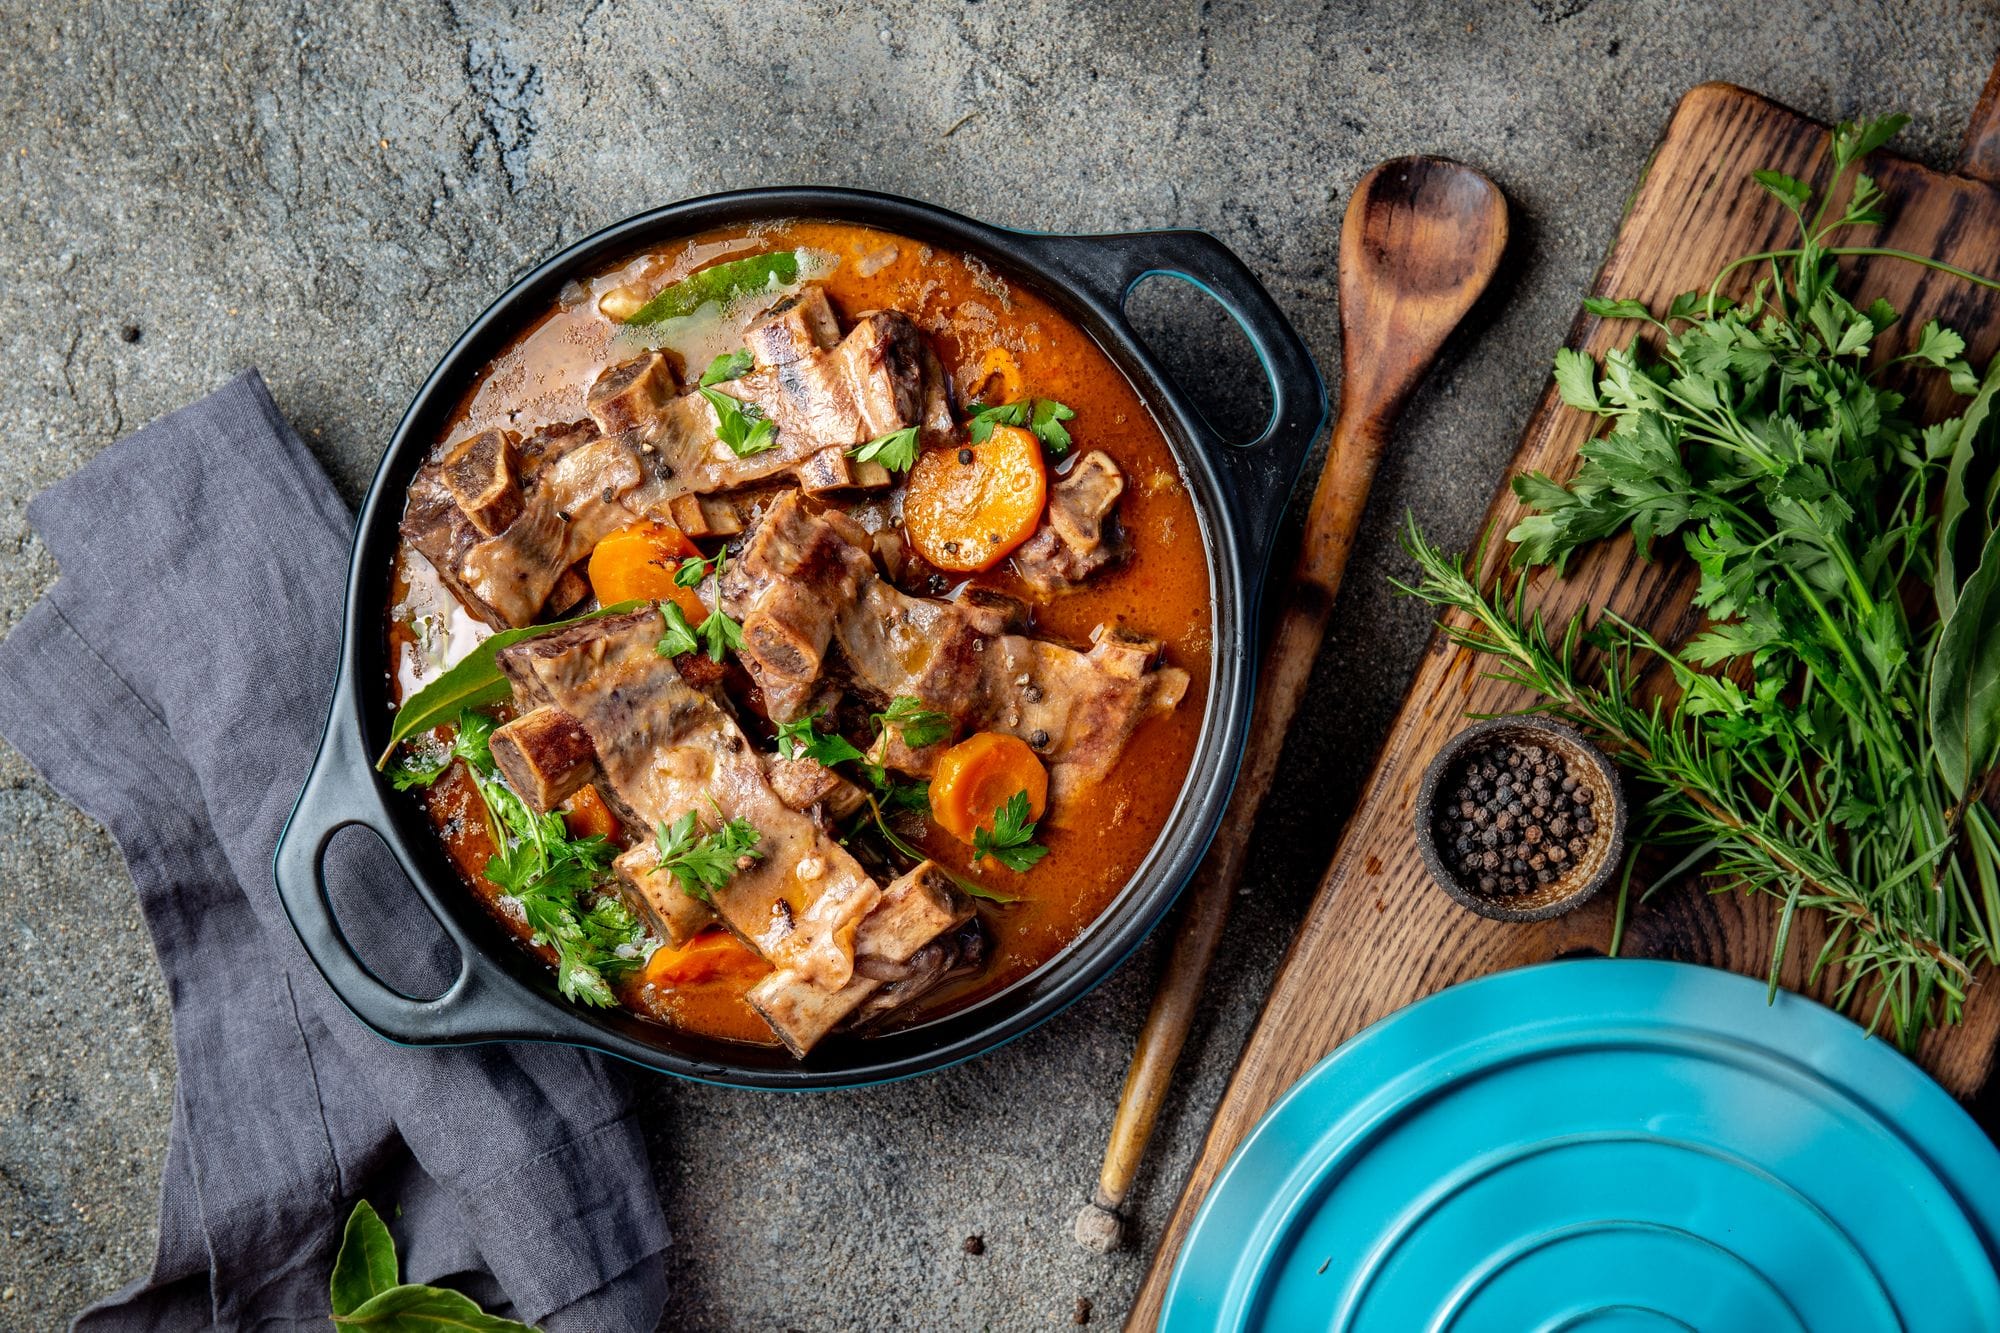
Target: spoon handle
[[1390, 338]]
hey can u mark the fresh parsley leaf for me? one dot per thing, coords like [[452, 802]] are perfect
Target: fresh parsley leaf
[[728, 366], [719, 634], [420, 769], [1793, 194], [740, 425], [1937, 346], [1046, 422], [920, 726], [690, 572], [981, 419], [1853, 141], [1043, 416], [1011, 840], [705, 861], [1576, 377], [896, 451], [800, 737], [680, 636], [902, 795], [897, 843]]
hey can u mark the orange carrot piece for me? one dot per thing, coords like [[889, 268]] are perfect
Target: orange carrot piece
[[979, 775], [713, 955], [968, 505], [586, 813], [638, 563]]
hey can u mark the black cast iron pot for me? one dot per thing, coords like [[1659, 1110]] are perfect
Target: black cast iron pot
[[501, 993]]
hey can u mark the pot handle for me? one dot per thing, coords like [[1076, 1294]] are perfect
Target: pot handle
[[482, 1003], [1260, 474]]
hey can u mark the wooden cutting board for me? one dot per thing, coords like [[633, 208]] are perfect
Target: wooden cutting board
[[1380, 935]]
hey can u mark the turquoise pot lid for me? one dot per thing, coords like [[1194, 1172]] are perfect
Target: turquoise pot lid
[[1605, 1145]]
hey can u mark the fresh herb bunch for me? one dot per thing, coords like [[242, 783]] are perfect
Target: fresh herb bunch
[[1833, 733]]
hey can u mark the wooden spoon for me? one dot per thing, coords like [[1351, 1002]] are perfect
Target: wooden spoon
[[1421, 241]]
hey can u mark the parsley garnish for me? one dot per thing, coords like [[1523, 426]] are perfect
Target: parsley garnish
[[717, 633], [912, 792], [720, 634], [706, 862], [680, 636], [896, 451], [800, 737], [558, 882], [901, 795], [1011, 841], [728, 366], [920, 726], [740, 425], [470, 744], [1043, 416], [691, 571]]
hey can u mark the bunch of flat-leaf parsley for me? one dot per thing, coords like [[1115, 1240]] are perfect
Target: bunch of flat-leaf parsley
[[1836, 726]]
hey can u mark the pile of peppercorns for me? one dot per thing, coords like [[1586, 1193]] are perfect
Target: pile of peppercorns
[[1512, 817]]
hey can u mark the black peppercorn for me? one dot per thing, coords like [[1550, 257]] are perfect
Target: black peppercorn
[[1513, 817]]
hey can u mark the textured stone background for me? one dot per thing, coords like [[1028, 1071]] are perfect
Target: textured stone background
[[330, 192]]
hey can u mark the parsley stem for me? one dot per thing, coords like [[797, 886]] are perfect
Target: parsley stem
[[1864, 251]]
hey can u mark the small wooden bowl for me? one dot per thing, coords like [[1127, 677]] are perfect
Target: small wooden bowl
[[1584, 762]]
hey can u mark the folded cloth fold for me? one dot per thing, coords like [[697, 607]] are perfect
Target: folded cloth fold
[[173, 684]]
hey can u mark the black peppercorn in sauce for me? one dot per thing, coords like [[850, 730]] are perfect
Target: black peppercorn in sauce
[[1513, 819]]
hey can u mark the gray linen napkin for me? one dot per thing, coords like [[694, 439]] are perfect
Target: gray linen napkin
[[173, 684]]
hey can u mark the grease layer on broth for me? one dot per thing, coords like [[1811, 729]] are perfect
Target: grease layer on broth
[[916, 653]]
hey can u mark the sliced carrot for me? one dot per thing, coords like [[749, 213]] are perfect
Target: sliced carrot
[[968, 505], [585, 814], [638, 563], [979, 775], [995, 378], [713, 955]]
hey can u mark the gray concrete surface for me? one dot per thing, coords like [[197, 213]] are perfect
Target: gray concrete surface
[[331, 191]]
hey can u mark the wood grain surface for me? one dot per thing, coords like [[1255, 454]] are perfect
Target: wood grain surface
[[1380, 935]]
